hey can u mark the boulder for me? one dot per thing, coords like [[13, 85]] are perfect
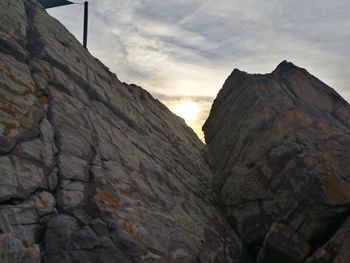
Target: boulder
[[279, 145]]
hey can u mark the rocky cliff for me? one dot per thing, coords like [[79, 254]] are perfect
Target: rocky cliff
[[94, 170], [279, 148]]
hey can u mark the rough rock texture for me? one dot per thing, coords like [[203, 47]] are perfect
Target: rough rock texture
[[337, 249], [94, 170], [279, 147], [281, 244], [14, 250]]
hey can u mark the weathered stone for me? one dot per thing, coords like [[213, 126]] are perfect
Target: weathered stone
[[22, 220], [73, 168], [282, 244], [84, 239], [72, 195], [337, 249], [45, 203], [279, 147], [15, 250], [13, 28], [41, 150], [19, 178], [18, 114], [58, 231], [128, 177], [52, 180]]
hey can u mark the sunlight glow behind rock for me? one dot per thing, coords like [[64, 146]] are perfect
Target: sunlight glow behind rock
[[187, 109]]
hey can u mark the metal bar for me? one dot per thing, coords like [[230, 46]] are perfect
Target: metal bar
[[54, 3], [86, 17]]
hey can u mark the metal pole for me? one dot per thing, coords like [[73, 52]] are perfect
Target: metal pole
[[86, 17]]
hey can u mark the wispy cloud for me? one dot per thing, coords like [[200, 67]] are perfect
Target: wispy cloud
[[187, 48]]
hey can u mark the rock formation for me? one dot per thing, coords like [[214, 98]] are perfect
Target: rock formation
[[279, 148], [94, 170]]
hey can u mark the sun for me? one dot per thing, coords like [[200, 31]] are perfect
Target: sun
[[186, 109]]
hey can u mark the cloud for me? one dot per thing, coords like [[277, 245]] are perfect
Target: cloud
[[187, 48]]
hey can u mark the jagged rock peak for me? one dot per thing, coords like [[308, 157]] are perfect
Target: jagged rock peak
[[285, 66], [279, 147], [238, 71]]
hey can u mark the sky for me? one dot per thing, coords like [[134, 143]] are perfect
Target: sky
[[183, 50]]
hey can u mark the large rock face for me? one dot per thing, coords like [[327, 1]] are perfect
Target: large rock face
[[94, 170], [279, 146]]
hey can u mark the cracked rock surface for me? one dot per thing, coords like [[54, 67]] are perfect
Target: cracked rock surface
[[96, 170], [92, 169], [279, 148]]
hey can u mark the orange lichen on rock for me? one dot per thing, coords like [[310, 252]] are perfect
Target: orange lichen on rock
[[125, 226], [26, 119], [15, 116], [9, 107], [43, 101], [25, 243], [7, 72], [42, 201], [7, 128], [9, 38], [107, 199], [19, 124], [337, 190], [16, 102]]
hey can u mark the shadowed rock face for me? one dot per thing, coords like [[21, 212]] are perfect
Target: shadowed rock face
[[94, 170], [279, 148], [337, 249], [281, 244]]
